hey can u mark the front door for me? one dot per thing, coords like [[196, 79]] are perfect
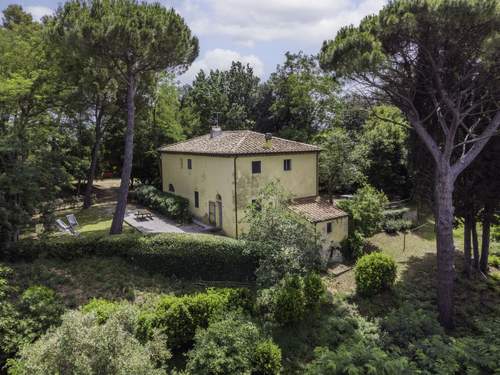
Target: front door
[[219, 212], [211, 213]]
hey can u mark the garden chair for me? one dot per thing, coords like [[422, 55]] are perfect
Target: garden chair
[[65, 228], [72, 221]]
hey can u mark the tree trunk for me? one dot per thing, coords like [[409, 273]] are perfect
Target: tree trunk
[[445, 246], [121, 204], [485, 243], [87, 199], [467, 245], [475, 243]]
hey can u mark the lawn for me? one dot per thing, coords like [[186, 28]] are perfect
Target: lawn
[[94, 221], [419, 243]]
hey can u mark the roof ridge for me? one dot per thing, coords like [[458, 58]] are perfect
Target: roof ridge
[[233, 149], [184, 141]]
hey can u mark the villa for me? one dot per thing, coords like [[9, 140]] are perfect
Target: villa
[[222, 172]]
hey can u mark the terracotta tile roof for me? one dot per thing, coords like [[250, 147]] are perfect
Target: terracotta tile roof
[[316, 209], [238, 142]]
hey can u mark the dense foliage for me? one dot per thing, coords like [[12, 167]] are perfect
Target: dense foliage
[[189, 256], [168, 204], [285, 242], [83, 345], [233, 345], [374, 273]]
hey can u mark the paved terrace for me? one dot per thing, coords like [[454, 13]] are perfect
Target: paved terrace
[[160, 224]]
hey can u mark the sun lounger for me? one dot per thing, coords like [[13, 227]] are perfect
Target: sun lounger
[[65, 228], [72, 220]]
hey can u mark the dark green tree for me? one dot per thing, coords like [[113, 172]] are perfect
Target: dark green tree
[[226, 96], [437, 61], [298, 100], [134, 39]]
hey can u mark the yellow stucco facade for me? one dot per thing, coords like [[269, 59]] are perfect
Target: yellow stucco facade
[[220, 181], [221, 173], [331, 240]]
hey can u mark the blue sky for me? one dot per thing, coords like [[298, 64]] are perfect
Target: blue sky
[[258, 32]]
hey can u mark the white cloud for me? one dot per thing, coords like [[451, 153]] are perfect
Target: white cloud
[[247, 22], [39, 11], [221, 59]]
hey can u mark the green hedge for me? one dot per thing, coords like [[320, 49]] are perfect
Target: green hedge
[[168, 204], [188, 256]]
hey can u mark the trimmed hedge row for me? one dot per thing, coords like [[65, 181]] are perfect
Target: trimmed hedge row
[[188, 256], [168, 204]]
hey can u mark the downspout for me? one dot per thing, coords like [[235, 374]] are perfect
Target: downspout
[[317, 173], [235, 196]]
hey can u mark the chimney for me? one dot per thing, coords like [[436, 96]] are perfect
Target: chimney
[[268, 137], [215, 131]]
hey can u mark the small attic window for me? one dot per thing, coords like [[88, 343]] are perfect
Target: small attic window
[[171, 188], [190, 164]]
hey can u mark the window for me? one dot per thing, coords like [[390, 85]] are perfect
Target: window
[[196, 199], [255, 167], [328, 227], [171, 188], [287, 165], [190, 164]]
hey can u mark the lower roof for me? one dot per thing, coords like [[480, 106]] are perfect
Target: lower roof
[[316, 209]]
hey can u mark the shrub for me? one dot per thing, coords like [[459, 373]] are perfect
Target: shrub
[[229, 346], [267, 358], [356, 358], [366, 210], [353, 247], [190, 256], [168, 204], [314, 291], [179, 317], [494, 261], [408, 324], [374, 273], [40, 308], [396, 225], [102, 308], [289, 301], [83, 346]]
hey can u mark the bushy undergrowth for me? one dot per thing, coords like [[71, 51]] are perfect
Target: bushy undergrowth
[[83, 345], [233, 345], [179, 317], [189, 256], [288, 302], [374, 273], [24, 318], [168, 204]]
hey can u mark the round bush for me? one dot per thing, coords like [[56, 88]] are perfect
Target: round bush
[[374, 273], [267, 358]]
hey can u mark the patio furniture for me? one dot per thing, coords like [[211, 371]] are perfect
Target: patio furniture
[[143, 215], [65, 228], [72, 220]]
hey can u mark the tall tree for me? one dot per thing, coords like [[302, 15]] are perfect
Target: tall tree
[[135, 39], [32, 135], [385, 139], [299, 99], [226, 96], [341, 163], [437, 61]]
